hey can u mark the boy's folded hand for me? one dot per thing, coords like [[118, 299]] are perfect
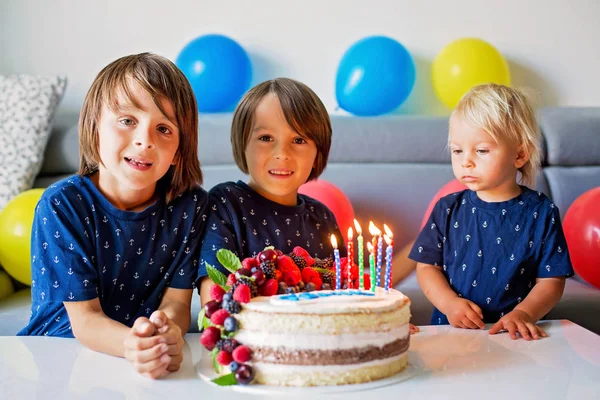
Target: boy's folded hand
[[146, 351], [171, 333], [463, 313]]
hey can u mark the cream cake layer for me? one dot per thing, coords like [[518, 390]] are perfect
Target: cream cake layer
[[268, 339], [311, 375], [335, 315]]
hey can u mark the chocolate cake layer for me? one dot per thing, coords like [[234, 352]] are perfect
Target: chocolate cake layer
[[329, 357]]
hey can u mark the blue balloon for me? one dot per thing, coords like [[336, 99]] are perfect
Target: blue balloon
[[375, 76], [218, 69]]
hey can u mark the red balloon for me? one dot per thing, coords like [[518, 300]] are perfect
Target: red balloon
[[451, 187], [582, 231], [330, 195]]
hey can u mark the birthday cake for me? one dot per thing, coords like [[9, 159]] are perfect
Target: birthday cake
[[284, 329]]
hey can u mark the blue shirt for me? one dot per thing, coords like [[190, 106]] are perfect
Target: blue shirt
[[83, 247], [245, 222], [492, 253]]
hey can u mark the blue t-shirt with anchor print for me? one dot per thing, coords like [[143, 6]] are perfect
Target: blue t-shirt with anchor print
[[83, 247], [245, 222], [492, 253]]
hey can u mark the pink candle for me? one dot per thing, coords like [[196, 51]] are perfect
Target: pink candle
[[350, 256]]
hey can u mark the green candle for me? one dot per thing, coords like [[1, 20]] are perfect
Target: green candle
[[361, 261]]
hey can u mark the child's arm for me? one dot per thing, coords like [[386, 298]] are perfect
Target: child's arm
[[542, 298], [100, 333], [461, 313], [205, 284]]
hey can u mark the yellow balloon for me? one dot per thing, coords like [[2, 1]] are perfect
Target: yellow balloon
[[16, 220], [465, 63]]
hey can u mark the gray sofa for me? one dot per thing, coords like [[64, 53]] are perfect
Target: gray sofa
[[390, 168]]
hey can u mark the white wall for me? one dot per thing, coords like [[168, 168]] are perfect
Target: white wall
[[552, 46]]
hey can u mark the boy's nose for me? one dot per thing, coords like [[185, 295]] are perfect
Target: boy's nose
[[144, 139], [282, 152]]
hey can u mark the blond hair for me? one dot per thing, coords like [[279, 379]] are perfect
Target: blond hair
[[506, 114], [303, 111], [162, 80]]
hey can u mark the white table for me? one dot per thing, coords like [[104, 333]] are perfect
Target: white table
[[446, 363]]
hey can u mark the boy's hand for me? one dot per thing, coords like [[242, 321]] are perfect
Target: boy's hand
[[171, 333], [147, 352], [518, 321], [463, 313], [413, 329]]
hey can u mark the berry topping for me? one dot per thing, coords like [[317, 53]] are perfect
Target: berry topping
[[224, 358], [211, 307], [242, 294], [209, 337], [219, 316], [241, 354], [244, 374], [230, 324], [216, 292], [269, 288]]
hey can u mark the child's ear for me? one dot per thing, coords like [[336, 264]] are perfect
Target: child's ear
[[522, 156]]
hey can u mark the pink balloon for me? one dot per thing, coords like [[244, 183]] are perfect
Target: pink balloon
[[332, 196], [451, 187]]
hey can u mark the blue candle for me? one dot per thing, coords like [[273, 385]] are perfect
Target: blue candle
[[338, 264], [379, 259], [388, 263]]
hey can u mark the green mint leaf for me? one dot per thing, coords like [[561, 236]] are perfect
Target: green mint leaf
[[269, 248], [225, 380], [320, 270], [229, 260], [215, 275], [201, 319], [206, 322], [215, 364]]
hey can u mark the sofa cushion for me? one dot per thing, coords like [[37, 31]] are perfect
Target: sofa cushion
[[27, 106], [568, 183], [572, 135]]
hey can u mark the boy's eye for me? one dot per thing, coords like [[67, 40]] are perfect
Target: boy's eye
[[456, 151], [482, 151], [265, 138], [164, 130], [127, 121], [299, 140]]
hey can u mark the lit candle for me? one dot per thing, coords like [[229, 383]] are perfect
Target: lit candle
[[388, 262], [371, 265], [361, 261], [389, 239], [377, 244], [350, 256], [338, 264]]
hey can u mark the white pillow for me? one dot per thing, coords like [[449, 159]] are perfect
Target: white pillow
[[27, 106]]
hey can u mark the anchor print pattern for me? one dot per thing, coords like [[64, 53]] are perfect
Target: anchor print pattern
[[248, 227], [493, 252], [84, 251]]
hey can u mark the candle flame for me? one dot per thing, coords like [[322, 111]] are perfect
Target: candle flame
[[333, 241], [350, 234], [370, 247], [388, 239], [388, 231], [373, 230], [358, 229]]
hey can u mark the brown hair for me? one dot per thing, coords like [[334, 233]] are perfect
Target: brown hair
[[303, 111], [162, 80], [505, 114]]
